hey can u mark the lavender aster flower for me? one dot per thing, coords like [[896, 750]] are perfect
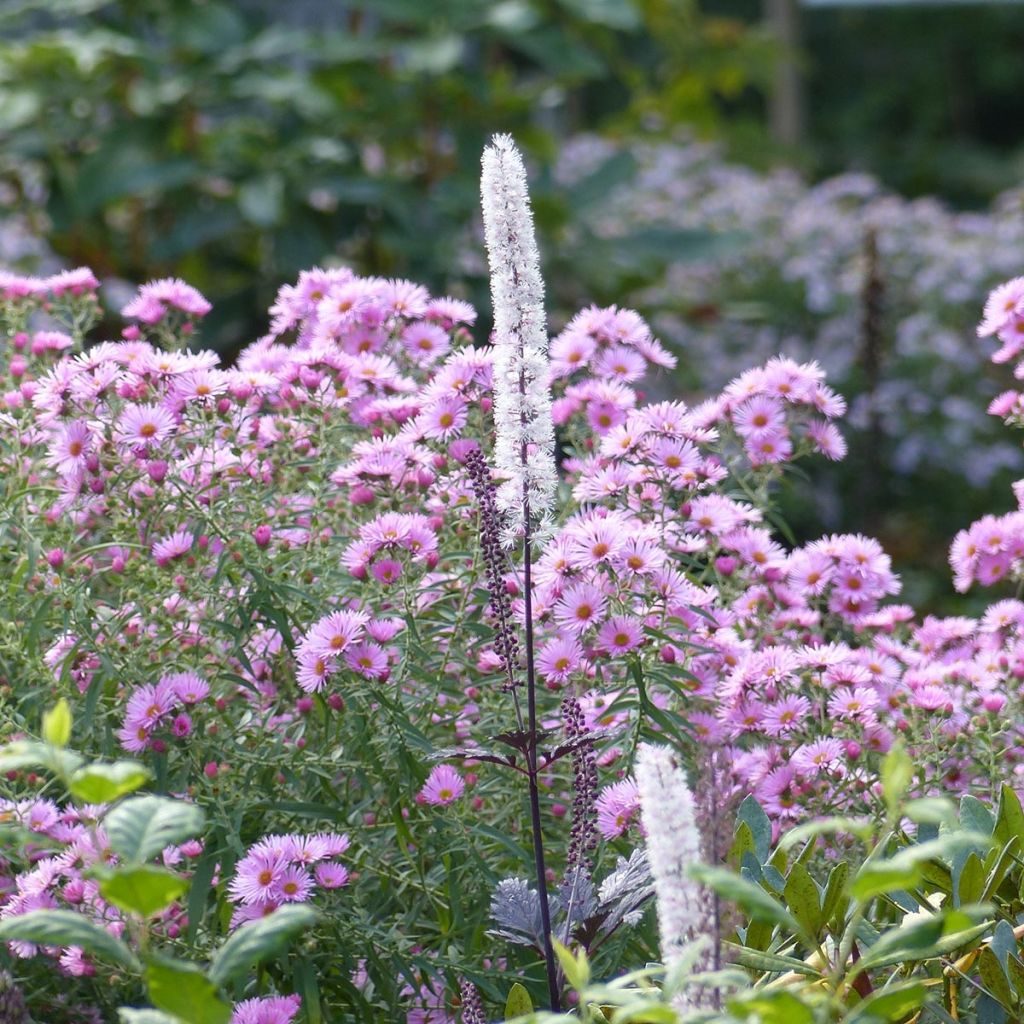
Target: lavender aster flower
[[525, 438], [669, 816]]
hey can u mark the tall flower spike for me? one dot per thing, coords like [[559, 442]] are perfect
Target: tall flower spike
[[524, 449], [669, 817]]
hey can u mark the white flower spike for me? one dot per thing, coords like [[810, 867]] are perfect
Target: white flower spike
[[524, 451]]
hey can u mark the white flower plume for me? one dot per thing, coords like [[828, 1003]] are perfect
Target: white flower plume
[[524, 451], [668, 813]]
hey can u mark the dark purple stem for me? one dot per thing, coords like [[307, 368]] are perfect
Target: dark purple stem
[[531, 763]]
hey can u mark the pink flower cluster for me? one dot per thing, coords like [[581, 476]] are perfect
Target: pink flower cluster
[[268, 1010], [60, 879], [283, 869], [349, 639], [156, 299], [160, 708]]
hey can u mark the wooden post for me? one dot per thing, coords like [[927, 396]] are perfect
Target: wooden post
[[786, 105]]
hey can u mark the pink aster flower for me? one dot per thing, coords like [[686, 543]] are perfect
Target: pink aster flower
[[558, 659], [293, 885], [142, 426], [617, 806], [330, 875], [174, 546], [620, 634], [71, 447], [444, 419], [266, 1010], [444, 786], [581, 606]]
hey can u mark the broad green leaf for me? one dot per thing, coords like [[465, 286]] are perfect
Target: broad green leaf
[[518, 1003], [931, 810], [1009, 816], [975, 816], [105, 783], [24, 754], [905, 869], [994, 978], [746, 894], [919, 941], [971, 881], [141, 827], [183, 990], [144, 890], [878, 877], [803, 899], [897, 774], [743, 842], [778, 1007], [889, 1004], [752, 815], [57, 724], [66, 928], [258, 940]]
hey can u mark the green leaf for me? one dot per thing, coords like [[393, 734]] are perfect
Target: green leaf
[[779, 1007], [889, 1004], [66, 928], [751, 897], [57, 724], [258, 940], [575, 966], [769, 963], [862, 828], [975, 816], [803, 899], [104, 783], [751, 813], [834, 889], [130, 1016], [182, 989], [743, 842], [518, 1003], [883, 876], [141, 827], [931, 810], [24, 754], [144, 890], [897, 774], [1009, 816], [971, 882], [994, 978]]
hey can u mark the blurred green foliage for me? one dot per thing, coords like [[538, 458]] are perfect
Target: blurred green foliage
[[234, 143]]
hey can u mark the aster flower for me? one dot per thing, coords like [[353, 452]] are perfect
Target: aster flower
[[525, 441], [266, 1010], [617, 806], [144, 426], [444, 786]]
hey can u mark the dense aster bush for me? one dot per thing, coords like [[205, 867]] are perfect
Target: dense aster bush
[[421, 641]]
